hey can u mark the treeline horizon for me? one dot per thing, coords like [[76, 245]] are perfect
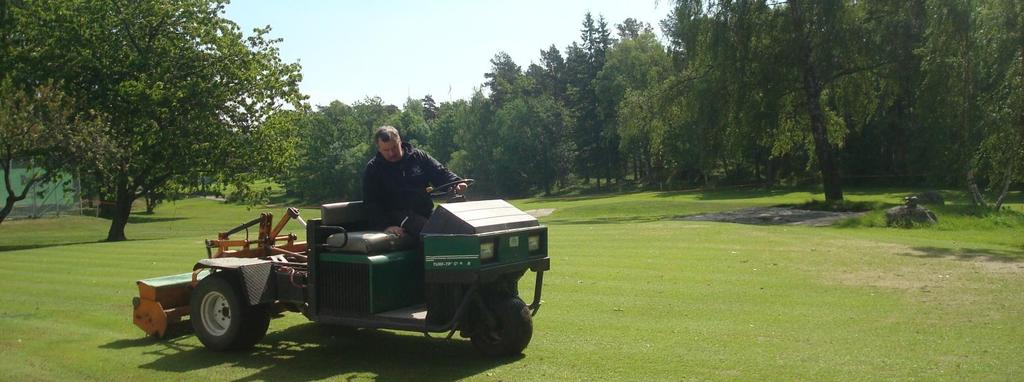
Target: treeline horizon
[[916, 93], [151, 99]]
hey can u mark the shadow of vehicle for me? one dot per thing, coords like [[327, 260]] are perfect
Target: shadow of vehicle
[[314, 352]]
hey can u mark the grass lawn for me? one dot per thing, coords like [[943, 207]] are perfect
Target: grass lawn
[[632, 295]]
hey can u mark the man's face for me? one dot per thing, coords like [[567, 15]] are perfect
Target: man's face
[[391, 150]]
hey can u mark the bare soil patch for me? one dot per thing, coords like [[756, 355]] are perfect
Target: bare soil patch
[[541, 212], [775, 216]]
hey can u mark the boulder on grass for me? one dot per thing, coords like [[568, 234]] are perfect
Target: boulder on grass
[[909, 214]]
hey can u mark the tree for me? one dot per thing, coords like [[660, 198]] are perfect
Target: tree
[[897, 141], [1000, 153], [549, 75], [331, 146], [596, 146], [502, 78], [635, 64], [532, 149], [631, 29], [477, 142], [371, 113], [334, 149], [443, 132], [411, 124], [430, 110], [39, 129], [819, 44], [175, 79], [702, 96]]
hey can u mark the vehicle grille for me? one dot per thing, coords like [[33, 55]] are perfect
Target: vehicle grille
[[343, 288]]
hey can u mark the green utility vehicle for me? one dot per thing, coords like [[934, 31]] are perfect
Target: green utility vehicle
[[461, 275]]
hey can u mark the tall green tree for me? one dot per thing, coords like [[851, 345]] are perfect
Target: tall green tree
[[332, 146], [699, 91], [40, 131], [41, 134], [819, 41], [632, 28], [477, 141], [430, 108], [636, 64], [896, 144], [176, 80], [532, 152], [411, 123], [549, 76], [502, 79], [333, 149], [443, 131], [596, 157], [999, 157]]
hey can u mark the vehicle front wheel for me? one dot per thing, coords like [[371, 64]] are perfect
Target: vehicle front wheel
[[221, 318], [511, 332]]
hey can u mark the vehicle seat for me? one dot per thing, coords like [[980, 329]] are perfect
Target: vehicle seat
[[352, 216]]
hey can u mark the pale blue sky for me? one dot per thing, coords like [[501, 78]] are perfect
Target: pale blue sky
[[395, 49]]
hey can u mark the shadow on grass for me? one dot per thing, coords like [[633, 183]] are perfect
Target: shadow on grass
[[968, 254], [730, 193], [314, 352], [142, 219], [608, 220], [573, 198], [18, 247]]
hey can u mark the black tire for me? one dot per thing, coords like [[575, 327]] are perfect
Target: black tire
[[222, 319], [512, 332]]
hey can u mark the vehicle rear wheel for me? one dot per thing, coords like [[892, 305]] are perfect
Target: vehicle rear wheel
[[511, 333], [221, 318]]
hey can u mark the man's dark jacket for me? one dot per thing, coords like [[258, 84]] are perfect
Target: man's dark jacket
[[391, 190]]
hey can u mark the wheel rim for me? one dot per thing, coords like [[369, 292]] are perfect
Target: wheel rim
[[216, 313]]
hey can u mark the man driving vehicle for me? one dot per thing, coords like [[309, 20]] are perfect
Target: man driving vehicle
[[395, 184]]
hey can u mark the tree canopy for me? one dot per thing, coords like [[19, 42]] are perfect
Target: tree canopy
[[181, 88]]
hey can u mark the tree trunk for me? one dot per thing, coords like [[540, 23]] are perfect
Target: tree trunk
[[122, 209], [757, 167], [822, 147], [976, 197], [11, 197], [8, 207], [812, 85], [634, 163], [1006, 189], [151, 202]]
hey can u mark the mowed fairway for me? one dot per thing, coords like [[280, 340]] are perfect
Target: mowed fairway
[[632, 295]]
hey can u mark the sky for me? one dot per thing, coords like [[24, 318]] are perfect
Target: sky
[[350, 50]]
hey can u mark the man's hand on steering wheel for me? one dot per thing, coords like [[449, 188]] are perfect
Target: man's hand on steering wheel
[[457, 187]]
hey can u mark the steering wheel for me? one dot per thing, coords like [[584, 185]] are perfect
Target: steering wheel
[[449, 188]]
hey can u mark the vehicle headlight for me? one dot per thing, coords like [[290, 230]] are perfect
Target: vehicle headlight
[[486, 251], [533, 243]]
